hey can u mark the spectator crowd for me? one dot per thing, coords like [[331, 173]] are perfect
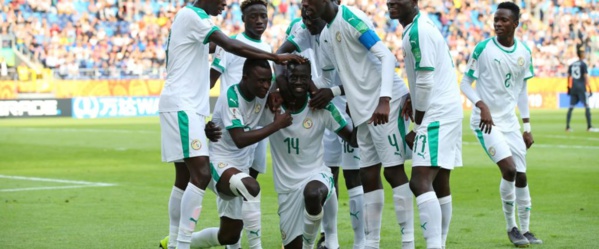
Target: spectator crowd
[[127, 38]]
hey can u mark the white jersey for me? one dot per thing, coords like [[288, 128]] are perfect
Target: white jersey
[[500, 74], [426, 50], [297, 151], [305, 42], [188, 70], [358, 68], [230, 65], [235, 112]]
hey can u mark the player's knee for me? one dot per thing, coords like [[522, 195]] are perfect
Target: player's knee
[[521, 180], [315, 191], [242, 184], [508, 169], [228, 237]]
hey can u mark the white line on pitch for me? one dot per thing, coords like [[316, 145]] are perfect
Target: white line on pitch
[[84, 130], [99, 184], [572, 137], [551, 146], [50, 188]]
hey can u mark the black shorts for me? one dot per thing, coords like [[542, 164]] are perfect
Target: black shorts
[[576, 97]]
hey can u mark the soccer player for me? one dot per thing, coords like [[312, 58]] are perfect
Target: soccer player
[[578, 82], [501, 65], [374, 95], [306, 39], [184, 106], [240, 112], [302, 181], [437, 106], [228, 67]]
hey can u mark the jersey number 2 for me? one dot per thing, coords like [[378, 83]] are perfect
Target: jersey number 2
[[508, 77]]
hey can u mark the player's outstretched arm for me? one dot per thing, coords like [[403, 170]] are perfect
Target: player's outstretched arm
[[243, 138], [241, 49]]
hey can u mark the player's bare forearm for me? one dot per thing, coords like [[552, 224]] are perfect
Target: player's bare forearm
[[239, 48], [287, 47], [346, 134], [214, 75], [243, 138], [418, 117]]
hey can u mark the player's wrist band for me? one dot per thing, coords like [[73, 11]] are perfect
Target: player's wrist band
[[526, 127], [336, 90]]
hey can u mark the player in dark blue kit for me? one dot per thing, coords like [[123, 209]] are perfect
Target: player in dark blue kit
[[578, 82]]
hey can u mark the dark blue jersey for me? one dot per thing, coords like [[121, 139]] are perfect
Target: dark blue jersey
[[577, 71]]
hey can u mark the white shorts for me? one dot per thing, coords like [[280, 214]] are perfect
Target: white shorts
[[228, 206], [337, 152], [292, 207], [499, 145], [438, 144], [259, 156], [384, 143], [182, 135]]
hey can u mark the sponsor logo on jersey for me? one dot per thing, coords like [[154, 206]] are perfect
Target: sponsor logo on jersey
[[308, 123], [521, 61], [257, 107], [338, 36], [222, 165], [196, 144], [492, 151]]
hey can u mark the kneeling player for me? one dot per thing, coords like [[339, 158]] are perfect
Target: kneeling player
[[240, 112], [302, 181]]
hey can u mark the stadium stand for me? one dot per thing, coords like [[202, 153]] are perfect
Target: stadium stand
[[124, 39]]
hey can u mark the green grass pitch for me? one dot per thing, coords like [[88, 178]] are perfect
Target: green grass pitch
[[562, 171]]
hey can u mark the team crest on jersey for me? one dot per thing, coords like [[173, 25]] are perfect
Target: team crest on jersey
[[308, 123], [338, 36], [222, 165], [196, 144], [492, 151], [257, 107], [521, 61]]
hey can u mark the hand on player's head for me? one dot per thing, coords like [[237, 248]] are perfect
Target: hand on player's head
[[284, 59]]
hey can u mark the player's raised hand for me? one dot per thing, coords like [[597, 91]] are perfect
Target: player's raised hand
[[321, 98], [213, 132], [528, 140], [284, 58], [274, 101], [410, 139], [381, 113], [486, 121], [282, 120], [406, 110]]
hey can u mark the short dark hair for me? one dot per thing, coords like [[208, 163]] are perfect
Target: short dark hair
[[292, 64], [512, 7], [248, 3], [250, 64]]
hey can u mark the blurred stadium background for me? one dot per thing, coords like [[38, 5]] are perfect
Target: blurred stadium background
[[105, 58]]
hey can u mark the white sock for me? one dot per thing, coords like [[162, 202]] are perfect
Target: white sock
[[205, 238], [311, 225], [507, 190], [373, 214], [329, 222], [174, 215], [446, 210], [356, 214], [404, 211], [252, 223], [430, 219], [524, 207], [191, 206]]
